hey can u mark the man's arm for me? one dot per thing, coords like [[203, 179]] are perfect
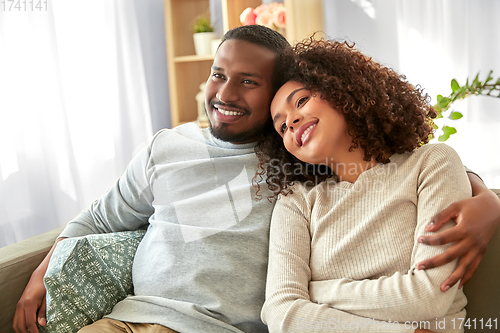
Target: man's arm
[[126, 206], [477, 219], [31, 307]]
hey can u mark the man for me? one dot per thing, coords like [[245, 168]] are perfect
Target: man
[[201, 266]]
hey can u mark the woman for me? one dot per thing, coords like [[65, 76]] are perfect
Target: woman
[[357, 187]]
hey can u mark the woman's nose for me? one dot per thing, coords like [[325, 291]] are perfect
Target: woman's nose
[[294, 122]]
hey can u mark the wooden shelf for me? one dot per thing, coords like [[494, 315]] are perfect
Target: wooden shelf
[[192, 58]]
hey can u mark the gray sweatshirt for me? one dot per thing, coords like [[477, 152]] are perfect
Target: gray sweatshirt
[[201, 267]]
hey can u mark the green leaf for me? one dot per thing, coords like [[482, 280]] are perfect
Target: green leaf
[[455, 115], [476, 83], [443, 137], [460, 93], [444, 102], [447, 131], [476, 79], [202, 24], [454, 85], [488, 78]]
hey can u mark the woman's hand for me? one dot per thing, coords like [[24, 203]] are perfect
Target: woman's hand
[[477, 219]]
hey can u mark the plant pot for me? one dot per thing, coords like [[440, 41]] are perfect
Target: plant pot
[[203, 42], [215, 45]]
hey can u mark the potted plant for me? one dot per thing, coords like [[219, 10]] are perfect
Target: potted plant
[[488, 87], [203, 34]]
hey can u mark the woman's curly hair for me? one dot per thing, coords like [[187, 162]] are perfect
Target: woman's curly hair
[[384, 113]]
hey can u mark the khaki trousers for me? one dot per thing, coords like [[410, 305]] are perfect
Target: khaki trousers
[[107, 325]]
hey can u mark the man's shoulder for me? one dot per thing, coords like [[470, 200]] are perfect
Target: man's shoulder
[[189, 132]]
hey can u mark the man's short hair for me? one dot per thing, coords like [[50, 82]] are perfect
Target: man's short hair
[[260, 35], [266, 37]]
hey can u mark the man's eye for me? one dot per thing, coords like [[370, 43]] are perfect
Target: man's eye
[[217, 76], [248, 82], [301, 101], [283, 128]]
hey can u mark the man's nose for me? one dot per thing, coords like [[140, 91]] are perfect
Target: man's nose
[[227, 93]]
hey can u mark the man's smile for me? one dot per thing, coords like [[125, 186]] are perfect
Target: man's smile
[[227, 113]]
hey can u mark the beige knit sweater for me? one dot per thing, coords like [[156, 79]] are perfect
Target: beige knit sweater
[[343, 256]]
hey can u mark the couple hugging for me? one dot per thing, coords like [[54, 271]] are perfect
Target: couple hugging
[[310, 126]]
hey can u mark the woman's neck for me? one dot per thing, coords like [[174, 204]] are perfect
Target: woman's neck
[[351, 166]]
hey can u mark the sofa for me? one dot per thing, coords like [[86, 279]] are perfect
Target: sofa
[[17, 262]]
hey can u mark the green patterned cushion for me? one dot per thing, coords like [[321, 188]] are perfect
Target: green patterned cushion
[[86, 277]]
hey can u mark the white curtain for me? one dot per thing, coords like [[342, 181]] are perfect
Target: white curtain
[[432, 42], [74, 107]]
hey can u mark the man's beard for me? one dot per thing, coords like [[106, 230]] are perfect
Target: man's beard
[[221, 132]]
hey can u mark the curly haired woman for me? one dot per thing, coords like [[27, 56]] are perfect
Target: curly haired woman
[[358, 184]]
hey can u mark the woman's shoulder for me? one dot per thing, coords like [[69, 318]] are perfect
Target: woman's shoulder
[[434, 159], [436, 147], [429, 152], [437, 153]]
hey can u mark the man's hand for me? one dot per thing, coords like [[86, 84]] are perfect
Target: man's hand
[[477, 219], [32, 305]]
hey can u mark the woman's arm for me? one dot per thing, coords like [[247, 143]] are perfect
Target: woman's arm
[[415, 295], [288, 307], [477, 220]]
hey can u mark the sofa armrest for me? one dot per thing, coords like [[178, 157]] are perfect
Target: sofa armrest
[[17, 262]]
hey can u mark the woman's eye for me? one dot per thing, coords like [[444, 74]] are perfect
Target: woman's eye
[[301, 101], [283, 128]]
